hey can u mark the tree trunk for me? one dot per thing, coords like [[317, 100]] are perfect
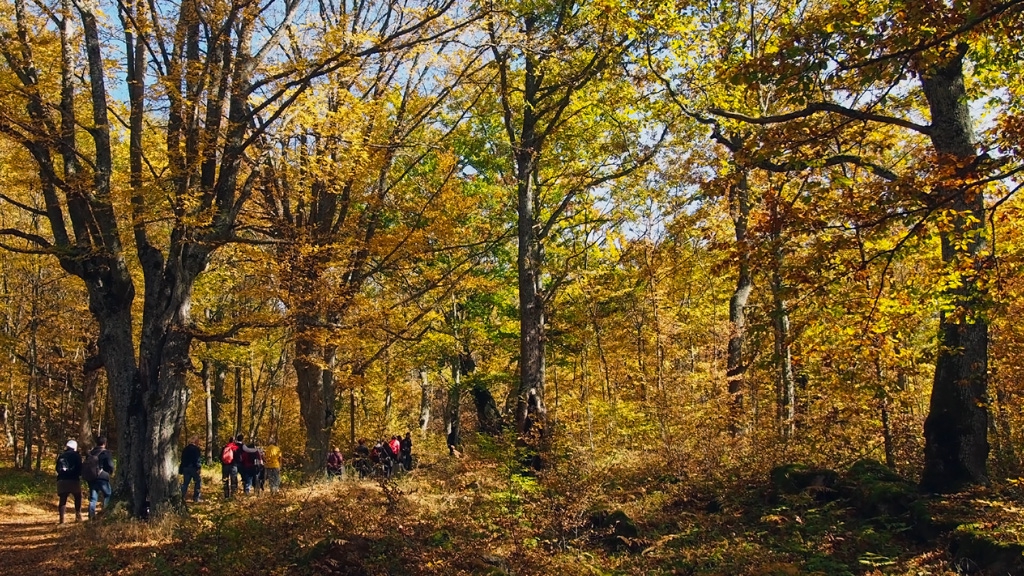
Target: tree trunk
[[785, 383], [453, 414], [352, 416], [426, 393], [316, 398], [488, 417], [206, 374], [239, 392], [530, 409], [956, 429], [90, 390], [739, 203]]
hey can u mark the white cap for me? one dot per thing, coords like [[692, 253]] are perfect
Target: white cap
[[72, 444]]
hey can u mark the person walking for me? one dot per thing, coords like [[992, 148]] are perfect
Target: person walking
[[98, 468], [229, 456], [272, 465], [406, 447], [69, 479], [335, 464], [191, 468], [249, 463]]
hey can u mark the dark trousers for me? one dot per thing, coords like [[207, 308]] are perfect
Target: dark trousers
[[229, 474], [191, 475]]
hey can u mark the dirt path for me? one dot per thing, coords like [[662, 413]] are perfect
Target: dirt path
[[31, 541]]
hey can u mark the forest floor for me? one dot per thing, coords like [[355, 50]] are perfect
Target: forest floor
[[484, 515]]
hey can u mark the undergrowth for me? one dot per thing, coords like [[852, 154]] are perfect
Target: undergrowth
[[490, 513]]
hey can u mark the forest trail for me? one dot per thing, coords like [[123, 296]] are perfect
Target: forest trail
[[31, 541]]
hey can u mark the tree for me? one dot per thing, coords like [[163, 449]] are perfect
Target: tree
[[562, 83], [839, 72], [214, 73]]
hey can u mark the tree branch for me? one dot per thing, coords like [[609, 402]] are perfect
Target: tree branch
[[817, 107]]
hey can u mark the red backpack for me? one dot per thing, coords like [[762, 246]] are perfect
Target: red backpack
[[227, 456]]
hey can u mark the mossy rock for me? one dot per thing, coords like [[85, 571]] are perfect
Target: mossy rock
[[623, 525], [974, 550], [868, 470], [879, 493], [797, 478]]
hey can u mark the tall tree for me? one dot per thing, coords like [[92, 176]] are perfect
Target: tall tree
[[561, 83]]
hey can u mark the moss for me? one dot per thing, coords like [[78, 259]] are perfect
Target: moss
[[973, 546]]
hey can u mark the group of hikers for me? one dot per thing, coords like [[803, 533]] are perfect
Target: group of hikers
[[384, 459], [257, 466], [95, 469]]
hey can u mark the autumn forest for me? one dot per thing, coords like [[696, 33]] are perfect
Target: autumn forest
[[703, 249]]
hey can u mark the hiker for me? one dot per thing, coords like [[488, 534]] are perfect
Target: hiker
[[383, 458], [362, 459], [406, 451], [229, 465], [249, 465], [335, 464], [96, 470], [272, 466], [190, 468], [395, 445], [69, 479]]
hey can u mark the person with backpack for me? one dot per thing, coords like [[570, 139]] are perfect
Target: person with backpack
[[190, 468], [362, 462], [405, 445], [335, 464], [69, 479], [229, 465], [249, 464], [96, 470]]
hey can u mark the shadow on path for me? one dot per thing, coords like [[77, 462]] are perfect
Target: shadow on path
[[33, 544]]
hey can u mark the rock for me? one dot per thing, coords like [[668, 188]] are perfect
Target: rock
[[975, 551], [878, 492], [796, 478]]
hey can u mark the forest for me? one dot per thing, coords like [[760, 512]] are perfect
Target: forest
[[659, 286]]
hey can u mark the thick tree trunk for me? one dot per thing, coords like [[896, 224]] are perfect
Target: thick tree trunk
[[314, 370], [956, 429], [739, 202], [531, 413], [90, 390]]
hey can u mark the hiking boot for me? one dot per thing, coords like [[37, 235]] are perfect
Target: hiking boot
[[78, 516]]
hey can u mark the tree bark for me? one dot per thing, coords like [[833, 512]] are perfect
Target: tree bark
[[90, 390], [956, 429], [426, 393], [739, 204], [238, 400], [529, 264], [453, 413], [314, 370], [785, 383]]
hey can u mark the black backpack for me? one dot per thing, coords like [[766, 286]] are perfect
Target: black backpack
[[64, 463], [91, 468]]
